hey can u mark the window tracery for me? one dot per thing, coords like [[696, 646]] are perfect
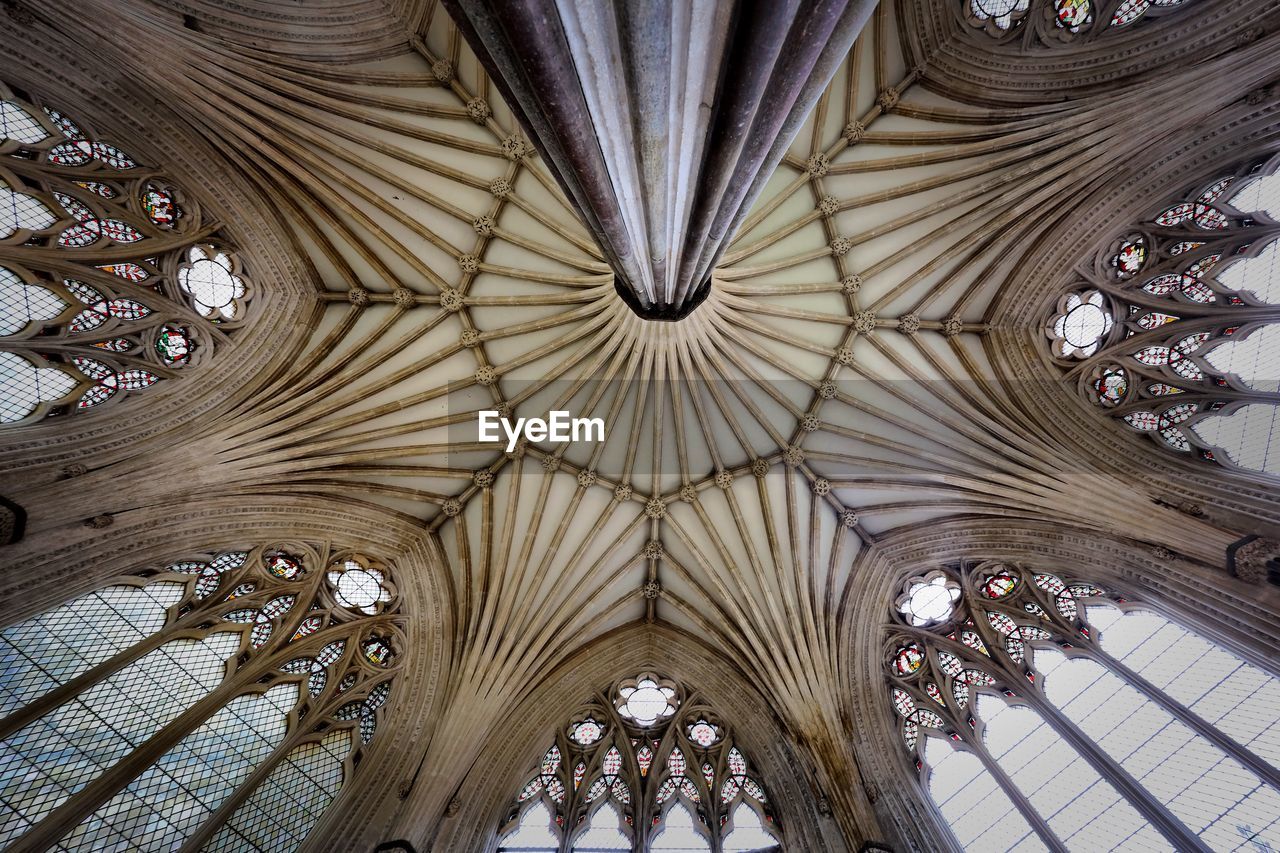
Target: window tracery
[[226, 696], [111, 279], [1172, 329], [643, 766], [1049, 713], [1058, 21]]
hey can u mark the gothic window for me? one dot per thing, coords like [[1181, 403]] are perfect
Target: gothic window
[[1044, 713], [1063, 20], [218, 703], [110, 279], [1172, 328], [642, 766]]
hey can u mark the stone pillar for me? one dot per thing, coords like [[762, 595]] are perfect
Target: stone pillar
[[661, 119]]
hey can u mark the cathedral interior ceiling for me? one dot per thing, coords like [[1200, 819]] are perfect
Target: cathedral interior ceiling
[[849, 382]]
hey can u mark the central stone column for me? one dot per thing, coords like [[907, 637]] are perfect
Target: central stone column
[[661, 119]]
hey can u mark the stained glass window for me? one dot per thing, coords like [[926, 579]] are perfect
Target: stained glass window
[[646, 701], [22, 303], [929, 599], [1082, 322], [1174, 336], [749, 833], [1020, 744], [643, 763], [604, 832], [1212, 682], [1002, 14], [1207, 790], [73, 341], [979, 812], [1132, 10], [212, 644]]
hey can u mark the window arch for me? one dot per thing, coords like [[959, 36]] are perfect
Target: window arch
[[646, 766], [216, 703], [1056, 21], [1172, 328], [111, 279], [1028, 704]]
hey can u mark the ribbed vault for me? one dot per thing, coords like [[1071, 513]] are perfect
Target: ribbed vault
[[857, 378]]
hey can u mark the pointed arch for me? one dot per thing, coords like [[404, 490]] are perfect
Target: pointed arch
[[121, 231], [733, 715], [159, 739], [1226, 139], [154, 537], [642, 750], [971, 698], [1171, 327]]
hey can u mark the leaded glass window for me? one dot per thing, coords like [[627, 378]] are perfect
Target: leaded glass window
[[112, 281], [1046, 713], [644, 765], [226, 697], [1174, 333]]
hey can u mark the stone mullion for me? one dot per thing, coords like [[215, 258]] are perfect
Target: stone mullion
[[595, 768], [50, 701], [186, 627], [651, 783], [1202, 727], [1003, 673], [1156, 813], [593, 759], [571, 794], [111, 253], [80, 266], [1122, 351], [1153, 403], [1187, 325], [243, 791], [1220, 241], [1108, 768], [80, 806], [196, 841], [1160, 816], [1029, 812], [62, 181]]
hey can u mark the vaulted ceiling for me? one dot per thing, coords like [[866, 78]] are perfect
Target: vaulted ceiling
[[847, 382]]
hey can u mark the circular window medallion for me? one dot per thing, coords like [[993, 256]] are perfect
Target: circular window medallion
[[703, 733], [586, 732], [359, 588], [1081, 324], [646, 699], [929, 600]]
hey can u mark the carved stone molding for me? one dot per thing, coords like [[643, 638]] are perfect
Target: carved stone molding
[[1254, 559], [13, 520], [1019, 66]]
